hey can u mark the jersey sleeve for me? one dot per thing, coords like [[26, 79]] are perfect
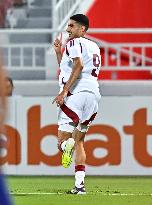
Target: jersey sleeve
[[74, 48]]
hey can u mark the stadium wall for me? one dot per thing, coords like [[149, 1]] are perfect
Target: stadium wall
[[107, 88], [118, 143], [121, 14]]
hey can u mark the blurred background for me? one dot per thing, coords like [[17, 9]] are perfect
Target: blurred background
[[119, 142]]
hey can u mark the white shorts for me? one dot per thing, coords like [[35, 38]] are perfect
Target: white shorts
[[79, 108]]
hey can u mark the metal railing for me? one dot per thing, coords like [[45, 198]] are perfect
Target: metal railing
[[133, 60], [116, 56], [25, 56], [124, 56]]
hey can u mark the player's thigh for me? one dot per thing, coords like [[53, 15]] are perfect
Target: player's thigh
[[63, 135], [78, 136]]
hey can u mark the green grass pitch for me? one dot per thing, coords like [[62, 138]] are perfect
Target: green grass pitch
[[100, 191]]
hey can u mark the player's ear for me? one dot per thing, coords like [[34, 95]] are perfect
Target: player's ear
[[83, 28]]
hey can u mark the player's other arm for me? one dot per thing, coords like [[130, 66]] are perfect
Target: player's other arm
[[76, 71]]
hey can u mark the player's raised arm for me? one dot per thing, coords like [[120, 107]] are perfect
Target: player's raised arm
[[57, 48]]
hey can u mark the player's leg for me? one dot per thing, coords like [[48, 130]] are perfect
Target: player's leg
[[80, 158], [90, 110], [68, 118], [66, 143], [63, 136]]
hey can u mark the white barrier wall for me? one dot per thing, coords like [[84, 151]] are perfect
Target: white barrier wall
[[118, 143]]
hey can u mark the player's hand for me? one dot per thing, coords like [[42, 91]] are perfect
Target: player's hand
[[58, 44], [60, 98]]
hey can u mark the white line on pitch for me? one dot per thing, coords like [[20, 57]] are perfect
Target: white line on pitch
[[104, 194], [126, 194]]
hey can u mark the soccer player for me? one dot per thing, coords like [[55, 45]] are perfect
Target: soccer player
[[4, 195], [79, 94]]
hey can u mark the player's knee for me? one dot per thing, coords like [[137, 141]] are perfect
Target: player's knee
[[82, 128], [80, 133]]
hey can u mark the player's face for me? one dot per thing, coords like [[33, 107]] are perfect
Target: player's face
[[74, 29]]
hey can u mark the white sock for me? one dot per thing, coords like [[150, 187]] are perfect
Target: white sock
[[79, 179], [70, 141]]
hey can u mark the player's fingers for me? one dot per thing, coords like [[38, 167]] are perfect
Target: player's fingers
[[57, 42], [57, 101], [54, 101], [61, 37]]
